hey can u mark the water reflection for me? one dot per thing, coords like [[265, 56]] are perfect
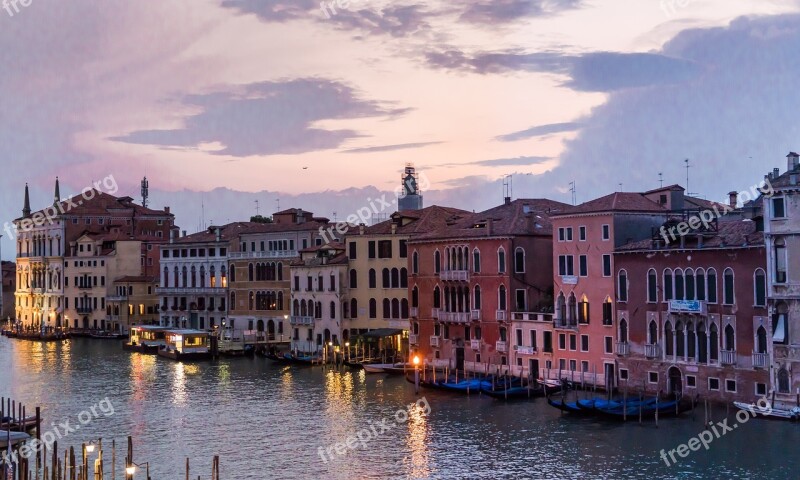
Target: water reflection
[[417, 443]]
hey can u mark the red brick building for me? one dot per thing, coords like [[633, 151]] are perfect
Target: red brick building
[[692, 316], [470, 278]]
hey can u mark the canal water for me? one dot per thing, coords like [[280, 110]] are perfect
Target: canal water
[[272, 422]]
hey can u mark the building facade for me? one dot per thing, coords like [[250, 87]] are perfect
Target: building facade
[[9, 285], [471, 278], [133, 301]]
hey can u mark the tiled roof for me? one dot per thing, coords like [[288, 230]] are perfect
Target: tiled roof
[[415, 222], [102, 203], [327, 246], [520, 217], [730, 234], [616, 202], [228, 232], [284, 227], [135, 279]]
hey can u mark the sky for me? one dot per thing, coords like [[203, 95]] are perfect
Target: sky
[[234, 106]]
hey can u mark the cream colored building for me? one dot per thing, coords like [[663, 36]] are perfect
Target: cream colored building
[[133, 301]]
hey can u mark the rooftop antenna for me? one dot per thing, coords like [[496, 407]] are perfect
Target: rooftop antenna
[[573, 190], [202, 214], [145, 191], [334, 217], [257, 207], [277, 204], [660, 180], [688, 192], [507, 187], [620, 186]]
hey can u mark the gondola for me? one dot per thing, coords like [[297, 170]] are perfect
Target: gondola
[[769, 412]]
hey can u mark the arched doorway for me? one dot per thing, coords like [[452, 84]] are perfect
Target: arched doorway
[[271, 329], [86, 323], [260, 325], [675, 381]]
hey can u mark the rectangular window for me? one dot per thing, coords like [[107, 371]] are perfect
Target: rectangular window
[[730, 386], [606, 265], [609, 344], [562, 341], [623, 373], [385, 249], [561, 234], [371, 249], [778, 208], [352, 254], [533, 339], [584, 343], [573, 365], [606, 232], [652, 377], [713, 383], [562, 364], [583, 265], [582, 234], [573, 342], [403, 248], [165, 253], [548, 341], [569, 234], [518, 334], [607, 313], [691, 381], [761, 389], [570, 265], [562, 265]]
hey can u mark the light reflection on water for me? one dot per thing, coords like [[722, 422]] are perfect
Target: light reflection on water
[[267, 421]]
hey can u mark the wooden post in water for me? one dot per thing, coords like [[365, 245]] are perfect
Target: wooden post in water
[[187, 468], [113, 459], [39, 453]]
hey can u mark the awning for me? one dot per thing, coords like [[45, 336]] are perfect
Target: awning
[[780, 330], [382, 332]]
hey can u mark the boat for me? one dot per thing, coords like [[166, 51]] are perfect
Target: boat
[[512, 393], [646, 408], [12, 423], [185, 345], [792, 414], [107, 335], [463, 386], [376, 367], [301, 359], [565, 406], [13, 438], [145, 339]]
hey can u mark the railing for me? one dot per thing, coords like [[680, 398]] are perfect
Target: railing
[[454, 275], [727, 358], [475, 344], [297, 320], [623, 349], [532, 316], [413, 339], [414, 311], [522, 350], [190, 291], [434, 313], [475, 315], [500, 346], [454, 317], [501, 315], [760, 360], [117, 298], [652, 351], [83, 286], [270, 254], [434, 341], [563, 323], [84, 309]]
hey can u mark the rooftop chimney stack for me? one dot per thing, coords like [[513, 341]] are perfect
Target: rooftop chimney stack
[[776, 172], [733, 199], [793, 161]]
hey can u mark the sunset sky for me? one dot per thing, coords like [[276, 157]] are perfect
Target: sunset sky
[[229, 101]]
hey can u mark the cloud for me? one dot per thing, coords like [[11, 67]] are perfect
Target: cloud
[[394, 20], [275, 10], [591, 72], [499, 11], [389, 148], [502, 162], [539, 131], [265, 118]]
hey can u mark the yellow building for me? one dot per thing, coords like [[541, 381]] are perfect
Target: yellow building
[[133, 301]]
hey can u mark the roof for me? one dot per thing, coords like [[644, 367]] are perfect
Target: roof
[[187, 332], [135, 279], [617, 202], [327, 246], [673, 187], [227, 232], [520, 217], [730, 234], [96, 202], [415, 222], [255, 228]]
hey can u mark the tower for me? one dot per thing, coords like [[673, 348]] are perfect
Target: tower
[[56, 194], [411, 199], [145, 191], [26, 207]]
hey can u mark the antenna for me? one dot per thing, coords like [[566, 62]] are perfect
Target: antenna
[[507, 187], [573, 190], [145, 191], [334, 217], [620, 186], [257, 206], [277, 204], [202, 214], [688, 192], [660, 179]]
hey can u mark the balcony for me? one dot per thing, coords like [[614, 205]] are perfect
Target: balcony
[[501, 315], [270, 254], [117, 298], [434, 313], [727, 358], [83, 310], [652, 351], [532, 317], [475, 315], [475, 344], [413, 339], [521, 350], [414, 311], [296, 320], [501, 346], [85, 286], [435, 341], [623, 349], [454, 275], [565, 324], [190, 291], [760, 360], [454, 317]]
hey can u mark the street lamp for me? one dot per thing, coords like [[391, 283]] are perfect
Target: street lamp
[[89, 448], [347, 346], [131, 469], [416, 374]]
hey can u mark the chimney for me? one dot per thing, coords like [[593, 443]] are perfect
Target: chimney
[[166, 210], [183, 233], [219, 234], [361, 228], [793, 161], [733, 199], [171, 236], [394, 228], [776, 172], [507, 200]]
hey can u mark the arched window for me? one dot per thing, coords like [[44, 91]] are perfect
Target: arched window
[[760, 288], [395, 278], [437, 297], [165, 281], [702, 343], [669, 341], [728, 297], [477, 298], [395, 308], [679, 287], [761, 340], [476, 261], [194, 277], [353, 279], [652, 286], [561, 309], [622, 286], [700, 283], [233, 301], [501, 260], [572, 310], [623, 331], [185, 277], [730, 344], [415, 297], [779, 260], [691, 337], [250, 275], [711, 292], [502, 298], [387, 308], [519, 260], [688, 281], [373, 278], [713, 342], [403, 278], [652, 333], [783, 381], [233, 272], [318, 310], [386, 278], [373, 308], [415, 263], [280, 271], [583, 310], [668, 293], [333, 310], [202, 276], [437, 262], [404, 308], [353, 308], [252, 299], [680, 336], [280, 300]]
